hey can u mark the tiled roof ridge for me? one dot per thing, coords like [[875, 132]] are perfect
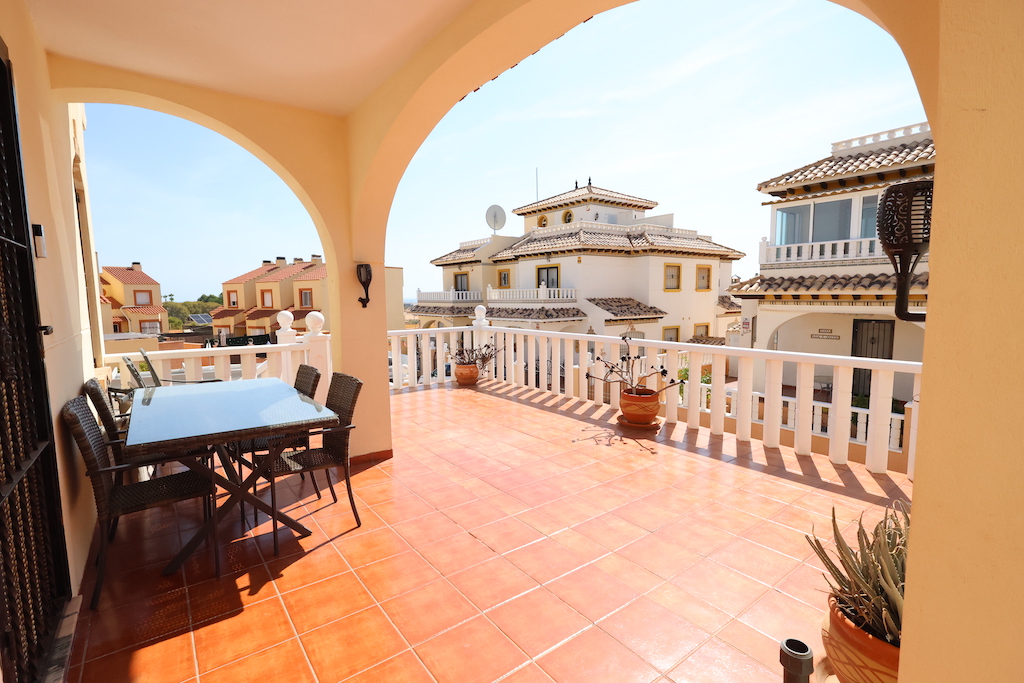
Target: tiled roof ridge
[[760, 284], [579, 193], [145, 310], [128, 275], [626, 307], [868, 161], [252, 274], [285, 272], [642, 242], [317, 272]]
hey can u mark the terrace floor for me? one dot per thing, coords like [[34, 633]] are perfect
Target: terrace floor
[[514, 536]]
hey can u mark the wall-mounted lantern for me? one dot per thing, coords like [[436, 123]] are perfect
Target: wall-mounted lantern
[[904, 230], [365, 275]]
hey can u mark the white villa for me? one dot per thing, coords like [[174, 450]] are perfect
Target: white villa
[[825, 284], [590, 260]]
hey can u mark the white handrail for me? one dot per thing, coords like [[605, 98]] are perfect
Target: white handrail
[[835, 250]]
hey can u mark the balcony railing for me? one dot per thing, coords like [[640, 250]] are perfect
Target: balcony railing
[[558, 363], [535, 295], [450, 297], [837, 250]]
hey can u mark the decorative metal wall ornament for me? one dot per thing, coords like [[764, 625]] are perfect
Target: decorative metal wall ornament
[[904, 231]]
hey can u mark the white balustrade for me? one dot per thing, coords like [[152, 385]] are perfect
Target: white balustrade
[[533, 295], [837, 250], [559, 362], [891, 135], [450, 296]]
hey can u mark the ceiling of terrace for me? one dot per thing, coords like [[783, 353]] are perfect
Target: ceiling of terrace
[[325, 55]]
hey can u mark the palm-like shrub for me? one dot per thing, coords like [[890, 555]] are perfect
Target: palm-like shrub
[[868, 582]]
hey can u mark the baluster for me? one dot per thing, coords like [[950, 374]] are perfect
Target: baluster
[[248, 363], [426, 359], [543, 362], [910, 440], [510, 368], [718, 394], [839, 414], [194, 367], [672, 393], [222, 368], [611, 352], [879, 412], [804, 408], [817, 426], [397, 380], [693, 388], [571, 376], [895, 428], [439, 358], [772, 403], [556, 365], [273, 366], [744, 399]]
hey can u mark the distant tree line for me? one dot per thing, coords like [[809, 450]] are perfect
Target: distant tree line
[[179, 311]]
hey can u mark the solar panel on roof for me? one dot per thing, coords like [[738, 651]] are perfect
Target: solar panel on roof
[[201, 318]]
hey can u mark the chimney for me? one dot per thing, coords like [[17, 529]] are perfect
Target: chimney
[[297, 260], [317, 259], [267, 262], [282, 261], [135, 266]]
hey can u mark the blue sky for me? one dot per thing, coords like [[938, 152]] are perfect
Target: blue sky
[[688, 104]]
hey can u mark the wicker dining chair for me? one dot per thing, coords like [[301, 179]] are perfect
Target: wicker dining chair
[[341, 398], [114, 499], [157, 381], [134, 372]]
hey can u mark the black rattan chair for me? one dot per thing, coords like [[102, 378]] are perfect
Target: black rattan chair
[[134, 372], [114, 499], [341, 398], [157, 381]]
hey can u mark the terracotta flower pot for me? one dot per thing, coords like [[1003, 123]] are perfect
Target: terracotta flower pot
[[641, 407], [466, 375], [856, 656]]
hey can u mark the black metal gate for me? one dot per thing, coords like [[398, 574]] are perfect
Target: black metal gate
[[871, 339], [33, 560]]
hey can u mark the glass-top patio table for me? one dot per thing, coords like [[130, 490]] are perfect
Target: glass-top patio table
[[171, 420]]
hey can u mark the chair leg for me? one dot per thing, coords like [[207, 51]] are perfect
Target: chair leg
[[351, 498], [273, 510], [212, 503], [101, 567], [312, 478], [113, 528], [327, 473]]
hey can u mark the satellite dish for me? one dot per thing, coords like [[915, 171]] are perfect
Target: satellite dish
[[496, 217]]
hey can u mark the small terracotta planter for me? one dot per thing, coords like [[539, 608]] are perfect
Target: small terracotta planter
[[856, 656], [466, 375], [640, 408]]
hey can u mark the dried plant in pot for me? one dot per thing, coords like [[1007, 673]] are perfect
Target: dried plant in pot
[[861, 632], [639, 403], [470, 362]]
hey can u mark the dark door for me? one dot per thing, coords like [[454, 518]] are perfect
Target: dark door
[[33, 561], [871, 339], [548, 276]]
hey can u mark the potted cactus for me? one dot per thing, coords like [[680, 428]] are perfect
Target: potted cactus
[[469, 362], [861, 632], [638, 403]]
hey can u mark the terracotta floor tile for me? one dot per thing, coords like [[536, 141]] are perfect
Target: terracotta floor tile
[[660, 636], [283, 662], [230, 637], [426, 481], [763, 564], [752, 503], [382, 493], [403, 668], [295, 571], [779, 616], [427, 529], [376, 637], [492, 582], [396, 575], [720, 586], [690, 607], [531, 673], [510, 505], [508, 479], [318, 603], [804, 521], [541, 522], [660, 556], [592, 592], [595, 656], [807, 584], [717, 662], [371, 547], [456, 553], [752, 643], [579, 544], [137, 622], [403, 509], [726, 518], [781, 539], [537, 493], [544, 560], [448, 496], [606, 497], [537, 621], [214, 597], [428, 610], [506, 534], [475, 652], [611, 531], [475, 514], [629, 573], [773, 488], [571, 510], [647, 514], [165, 660], [137, 584]]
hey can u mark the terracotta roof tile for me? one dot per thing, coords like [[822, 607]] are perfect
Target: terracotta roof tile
[[284, 273], [220, 313], [128, 276], [261, 313], [831, 284], [458, 255], [542, 313], [834, 190], [582, 195], [145, 310], [710, 341], [103, 281], [906, 154], [627, 307], [251, 275], [729, 304], [315, 273], [119, 319], [104, 300], [114, 303], [446, 311], [615, 241]]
